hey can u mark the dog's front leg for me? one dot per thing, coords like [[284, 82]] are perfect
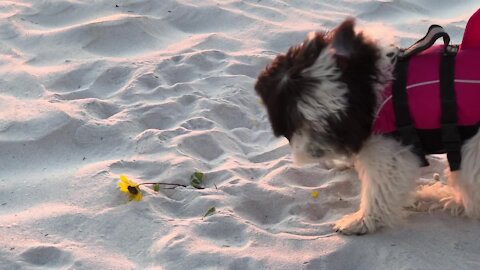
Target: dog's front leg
[[387, 171]]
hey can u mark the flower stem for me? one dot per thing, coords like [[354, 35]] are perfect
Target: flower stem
[[160, 183]]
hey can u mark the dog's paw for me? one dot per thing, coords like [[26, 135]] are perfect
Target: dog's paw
[[453, 205], [438, 196], [351, 224], [424, 206]]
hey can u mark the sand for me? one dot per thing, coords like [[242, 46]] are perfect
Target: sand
[[156, 90]]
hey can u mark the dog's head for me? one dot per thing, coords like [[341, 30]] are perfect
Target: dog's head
[[321, 94]]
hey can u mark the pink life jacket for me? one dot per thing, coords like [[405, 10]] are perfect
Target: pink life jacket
[[424, 111]]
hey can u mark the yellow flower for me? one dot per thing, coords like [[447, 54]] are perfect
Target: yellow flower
[[314, 194], [130, 187]]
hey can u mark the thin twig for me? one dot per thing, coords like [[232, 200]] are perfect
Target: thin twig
[[160, 183]]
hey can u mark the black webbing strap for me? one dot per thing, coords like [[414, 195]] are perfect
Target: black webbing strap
[[450, 135], [403, 120]]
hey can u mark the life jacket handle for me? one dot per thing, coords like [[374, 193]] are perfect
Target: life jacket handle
[[434, 32]]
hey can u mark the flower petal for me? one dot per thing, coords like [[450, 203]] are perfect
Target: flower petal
[[123, 187], [137, 197], [124, 179], [123, 183]]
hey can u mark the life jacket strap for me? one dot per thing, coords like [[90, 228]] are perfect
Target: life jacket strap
[[451, 139], [403, 121]]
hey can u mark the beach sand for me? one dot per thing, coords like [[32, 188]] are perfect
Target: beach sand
[[156, 90]]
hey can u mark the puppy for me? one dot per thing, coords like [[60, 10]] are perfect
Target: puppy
[[323, 96]]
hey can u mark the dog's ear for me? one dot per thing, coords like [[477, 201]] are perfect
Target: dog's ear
[[305, 53], [343, 42], [311, 45], [343, 38]]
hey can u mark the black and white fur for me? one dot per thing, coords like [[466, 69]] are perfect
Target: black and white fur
[[322, 95]]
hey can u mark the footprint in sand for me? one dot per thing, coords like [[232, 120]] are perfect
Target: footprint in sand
[[223, 231], [198, 123], [46, 256], [161, 116], [191, 67], [203, 146]]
